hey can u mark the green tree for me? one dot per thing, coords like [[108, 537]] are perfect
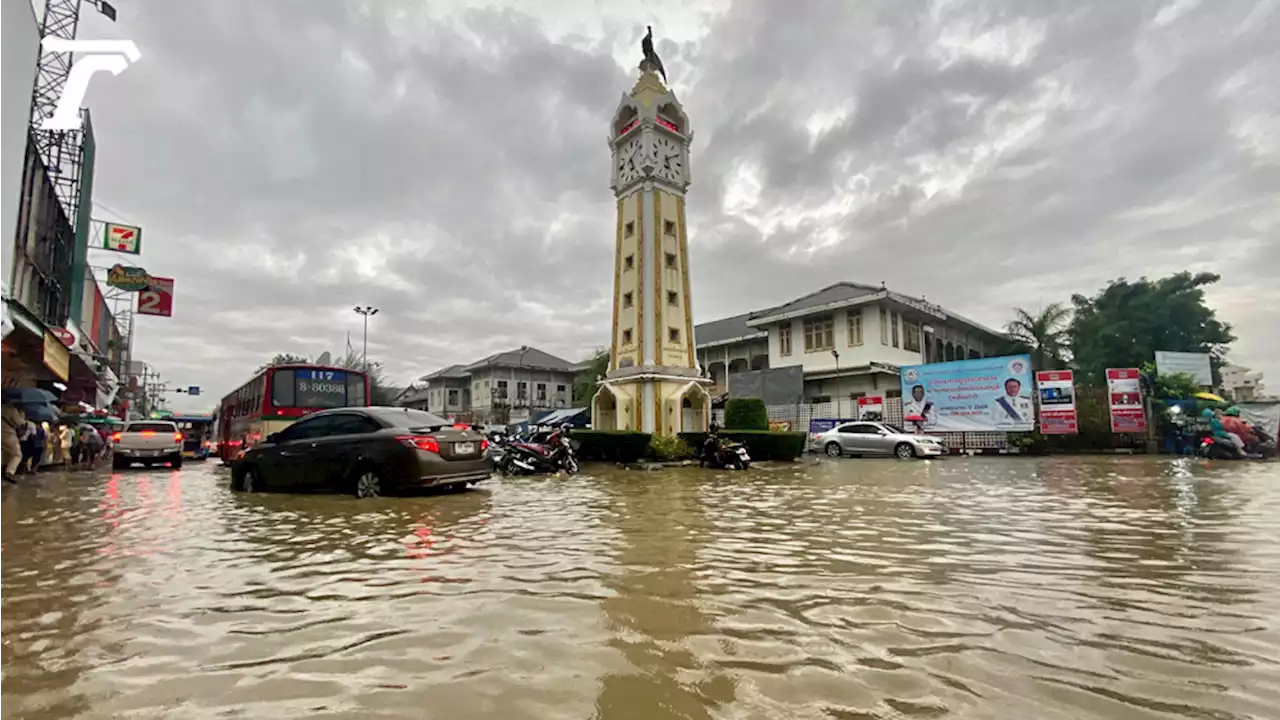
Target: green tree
[[1126, 323], [584, 383], [280, 359], [1042, 334], [381, 392]]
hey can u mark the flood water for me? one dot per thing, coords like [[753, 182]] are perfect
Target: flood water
[[851, 589]]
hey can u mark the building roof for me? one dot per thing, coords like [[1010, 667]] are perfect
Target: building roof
[[523, 357], [453, 372], [752, 325], [840, 292], [726, 330]]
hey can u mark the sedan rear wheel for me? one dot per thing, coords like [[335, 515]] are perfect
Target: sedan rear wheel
[[368, 484], [833, 449]]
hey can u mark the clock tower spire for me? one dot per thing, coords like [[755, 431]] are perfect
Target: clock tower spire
[[653, 384]]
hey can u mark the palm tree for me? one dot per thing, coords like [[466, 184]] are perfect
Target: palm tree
[[1043, 334]]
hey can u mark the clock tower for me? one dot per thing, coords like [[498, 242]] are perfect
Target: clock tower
[[653, 384]]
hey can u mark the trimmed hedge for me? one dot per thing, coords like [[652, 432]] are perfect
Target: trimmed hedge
[[611, 445], [746, 414], [761, 444]]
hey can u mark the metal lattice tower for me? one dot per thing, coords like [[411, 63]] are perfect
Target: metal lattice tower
[[62, 151]]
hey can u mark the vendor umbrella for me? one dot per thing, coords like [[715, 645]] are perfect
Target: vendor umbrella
[[1211, 397]]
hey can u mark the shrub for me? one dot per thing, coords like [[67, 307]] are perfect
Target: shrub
[[761, 444], [667, 448], [611, 445], [746, 414]]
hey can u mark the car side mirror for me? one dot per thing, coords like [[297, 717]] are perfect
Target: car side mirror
[[273, 438]]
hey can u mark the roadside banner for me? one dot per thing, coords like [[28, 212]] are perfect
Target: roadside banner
[[980, 395], [1124, 397], [1057, 402], [871, 408]]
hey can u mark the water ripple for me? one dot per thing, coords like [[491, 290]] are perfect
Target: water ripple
[[1100, 588]]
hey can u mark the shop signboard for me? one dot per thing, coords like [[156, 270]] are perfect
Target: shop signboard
[[57, 358], [127, 278]]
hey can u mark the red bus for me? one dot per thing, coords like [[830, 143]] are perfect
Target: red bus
[[280, 395]]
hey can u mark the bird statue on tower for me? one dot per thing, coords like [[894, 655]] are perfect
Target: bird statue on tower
[[651, 55]]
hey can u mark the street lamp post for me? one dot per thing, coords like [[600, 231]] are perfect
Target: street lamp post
[[366, 311], [839, 411]]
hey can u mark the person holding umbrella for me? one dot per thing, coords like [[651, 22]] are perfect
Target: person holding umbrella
[[13, 424]]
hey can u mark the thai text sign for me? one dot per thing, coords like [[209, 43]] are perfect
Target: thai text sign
[[1057, 402], [982, 395], [1124, 397], [131, 279]]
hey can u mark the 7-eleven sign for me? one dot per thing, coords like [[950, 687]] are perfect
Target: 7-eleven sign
[[122, 238]]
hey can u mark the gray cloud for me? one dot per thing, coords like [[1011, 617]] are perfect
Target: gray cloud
[[290, 159]]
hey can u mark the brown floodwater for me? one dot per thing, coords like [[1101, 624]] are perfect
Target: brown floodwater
[[1072, 588]]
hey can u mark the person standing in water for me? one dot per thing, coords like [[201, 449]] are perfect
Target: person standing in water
[[13, 423]]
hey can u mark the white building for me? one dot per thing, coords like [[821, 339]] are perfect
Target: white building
[[850, 339], [505, 387], [1241, 383]]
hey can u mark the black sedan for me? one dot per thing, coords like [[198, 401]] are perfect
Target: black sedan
[[365, 452]]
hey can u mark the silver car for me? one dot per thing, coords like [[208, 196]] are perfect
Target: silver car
[[878, 438]]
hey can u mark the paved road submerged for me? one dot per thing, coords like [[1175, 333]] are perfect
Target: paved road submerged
[[1105, 588]]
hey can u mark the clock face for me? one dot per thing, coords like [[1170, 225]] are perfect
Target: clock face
[[627, 161], [669, 157]]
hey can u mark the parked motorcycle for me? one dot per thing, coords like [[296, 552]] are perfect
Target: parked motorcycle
[[553, 454], [721, 454]]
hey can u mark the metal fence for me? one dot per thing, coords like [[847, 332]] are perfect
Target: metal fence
[[800, 415]]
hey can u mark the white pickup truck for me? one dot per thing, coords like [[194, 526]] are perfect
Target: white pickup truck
[[147, 442]]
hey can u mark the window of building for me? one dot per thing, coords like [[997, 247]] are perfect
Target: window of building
[[893, 327], [522, 390], [560, 389], [626, 336], [893, 393], [629, 262], [453, 397], [541, 390], [501, 390], [910, 335], [820, 399], [673, 297], [784, 339], [671, 261], [673, 335], [819, 334], [630, 229], [626, 299], [669, 227], [884, 326], [855, 328]]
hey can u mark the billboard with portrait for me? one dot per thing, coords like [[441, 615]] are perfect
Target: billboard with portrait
[[982, 395]]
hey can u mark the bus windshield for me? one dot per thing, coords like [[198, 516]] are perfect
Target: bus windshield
[[316, 389]]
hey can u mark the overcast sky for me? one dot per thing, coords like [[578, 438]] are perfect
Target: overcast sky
[[289, 159]]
